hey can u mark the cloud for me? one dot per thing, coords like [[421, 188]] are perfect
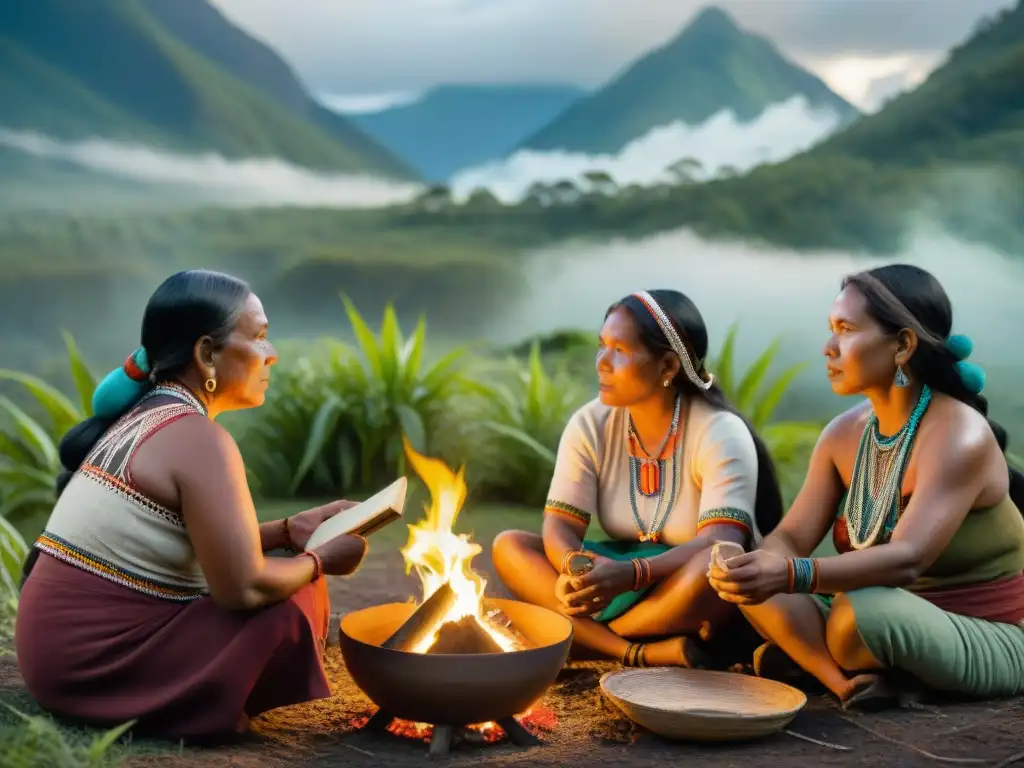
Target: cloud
[[366, 103], [781, 131], [349, 46], [257, 181]]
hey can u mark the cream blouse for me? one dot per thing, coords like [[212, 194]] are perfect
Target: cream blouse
[[717, 474]]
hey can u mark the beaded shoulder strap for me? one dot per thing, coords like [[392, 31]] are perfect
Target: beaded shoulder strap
[[113, 453]]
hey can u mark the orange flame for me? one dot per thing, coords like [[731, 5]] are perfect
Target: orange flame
[[440, 555]]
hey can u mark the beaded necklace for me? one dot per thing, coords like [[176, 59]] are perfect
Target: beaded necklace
[[639, 468], [178, 392], [873, 500]]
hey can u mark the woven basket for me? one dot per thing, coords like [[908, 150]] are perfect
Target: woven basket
[[698, 705]]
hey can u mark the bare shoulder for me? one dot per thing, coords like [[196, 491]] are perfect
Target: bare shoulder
[[951, 428], [848, 425], [199, 446]]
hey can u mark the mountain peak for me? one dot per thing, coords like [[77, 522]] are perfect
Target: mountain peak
[[711, 18]]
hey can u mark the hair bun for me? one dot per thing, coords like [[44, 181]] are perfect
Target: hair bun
[[961, 346], [972, 375]]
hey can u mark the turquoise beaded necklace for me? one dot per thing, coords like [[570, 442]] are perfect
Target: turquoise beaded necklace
[[873, 500]]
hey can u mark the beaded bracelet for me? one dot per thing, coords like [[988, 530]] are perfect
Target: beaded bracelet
[[318, 564], [803, 575], [641, 573], [288, 534], [567, 559]]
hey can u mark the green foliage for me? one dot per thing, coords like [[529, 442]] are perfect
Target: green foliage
[[37, 742], [29, 461], [509, 433], [789, 442], [351, 408], [172, 95]]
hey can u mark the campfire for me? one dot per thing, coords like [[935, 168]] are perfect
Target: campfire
[[458, 665]]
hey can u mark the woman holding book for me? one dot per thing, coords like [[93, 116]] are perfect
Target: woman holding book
[[149, 595], [928, 585], [667, 468]]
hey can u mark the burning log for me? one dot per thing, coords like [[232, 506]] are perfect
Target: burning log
[[424, 622], [503, 624], [464, 636]]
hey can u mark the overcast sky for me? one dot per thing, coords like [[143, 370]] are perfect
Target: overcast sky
[[863, 48]]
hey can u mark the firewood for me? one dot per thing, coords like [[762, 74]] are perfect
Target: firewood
[[464, 636], [503, 624], [424, 622]]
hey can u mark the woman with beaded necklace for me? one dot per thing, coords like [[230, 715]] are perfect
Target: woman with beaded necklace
[[668, 469], [928, 585], [148, 596]]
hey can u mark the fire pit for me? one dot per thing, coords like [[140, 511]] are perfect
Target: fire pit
[[456, 659], [453, 690]]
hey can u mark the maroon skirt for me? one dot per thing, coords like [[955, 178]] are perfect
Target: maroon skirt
[[99, 653]]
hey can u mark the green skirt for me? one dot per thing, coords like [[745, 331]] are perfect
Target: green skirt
[[945, 651], [623, 550]]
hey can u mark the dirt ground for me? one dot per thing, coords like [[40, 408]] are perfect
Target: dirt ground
[[589, 731]]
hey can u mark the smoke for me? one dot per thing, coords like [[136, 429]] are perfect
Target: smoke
[[212, 177], [782, 130]]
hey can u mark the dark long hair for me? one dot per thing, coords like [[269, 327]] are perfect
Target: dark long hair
[[184, 308], [904, 296], [694, 334]]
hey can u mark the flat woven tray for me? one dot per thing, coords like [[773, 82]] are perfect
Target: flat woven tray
[[700, 705]]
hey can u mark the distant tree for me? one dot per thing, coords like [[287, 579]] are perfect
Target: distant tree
[[566, 192], [435, 198], [540, 193], [601, 182], [686, 170], [482, 198]]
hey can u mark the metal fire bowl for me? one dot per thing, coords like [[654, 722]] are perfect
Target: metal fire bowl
[[454, 689]]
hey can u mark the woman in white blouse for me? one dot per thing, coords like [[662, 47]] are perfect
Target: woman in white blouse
[[667, 468]]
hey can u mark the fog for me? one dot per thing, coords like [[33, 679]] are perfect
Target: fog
[[781, 131], [212, 177], [770, 292]]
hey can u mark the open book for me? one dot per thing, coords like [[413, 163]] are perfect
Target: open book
[[382, 508]]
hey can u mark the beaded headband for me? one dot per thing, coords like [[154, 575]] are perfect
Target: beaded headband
[[673, 340]]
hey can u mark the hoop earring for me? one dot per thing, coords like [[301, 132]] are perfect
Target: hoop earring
[[901, 380], [210, 385]]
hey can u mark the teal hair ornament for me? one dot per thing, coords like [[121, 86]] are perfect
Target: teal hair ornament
[[961, 346], [971, 374], [123, 387]]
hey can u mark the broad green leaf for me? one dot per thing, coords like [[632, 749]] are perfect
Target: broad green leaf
[[412, 426], [85, 382], [365, 338], [769, 401], [57, 405], [724, 363], [754, 376], [34, 435], [322, 429], [26, 501], [524, 439]]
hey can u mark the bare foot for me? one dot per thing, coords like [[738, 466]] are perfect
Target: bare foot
[[869, 693], [772, 663], [676, 652]]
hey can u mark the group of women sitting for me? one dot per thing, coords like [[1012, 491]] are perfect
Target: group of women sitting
[[172, 612]]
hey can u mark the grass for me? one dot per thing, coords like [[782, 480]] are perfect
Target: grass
[[483, 522]]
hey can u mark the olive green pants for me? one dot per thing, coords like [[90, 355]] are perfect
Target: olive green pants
[[947, 652]]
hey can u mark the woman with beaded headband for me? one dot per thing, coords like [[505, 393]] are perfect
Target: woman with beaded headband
[[667, 468], [149, 595], [927, 588]]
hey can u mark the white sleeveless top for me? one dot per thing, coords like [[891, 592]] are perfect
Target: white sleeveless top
[[103, 524], [717, 463]]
